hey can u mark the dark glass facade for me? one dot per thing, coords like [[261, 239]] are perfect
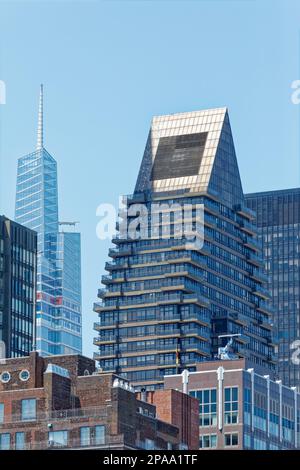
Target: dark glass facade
[[18, 252], [278, 225], [167, 300]]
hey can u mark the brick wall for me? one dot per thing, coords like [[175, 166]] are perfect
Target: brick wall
[[69, 403], [179, 409]]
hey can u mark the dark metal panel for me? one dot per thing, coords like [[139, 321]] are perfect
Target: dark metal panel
[[178, 156]]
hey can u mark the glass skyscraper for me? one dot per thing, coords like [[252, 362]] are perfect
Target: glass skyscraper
[[168, 302], [58, 308], [278, 225], [18, 254]]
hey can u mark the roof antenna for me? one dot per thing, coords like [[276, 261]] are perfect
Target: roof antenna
[[40, 132]]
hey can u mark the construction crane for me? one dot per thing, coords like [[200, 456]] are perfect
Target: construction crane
[[73, 224], [68, 224], [226, 353]]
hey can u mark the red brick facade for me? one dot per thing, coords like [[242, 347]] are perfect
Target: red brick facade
[[87, 399], [179, 409]]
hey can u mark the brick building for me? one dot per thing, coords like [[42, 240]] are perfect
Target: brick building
[[62, 401], [240, 408]]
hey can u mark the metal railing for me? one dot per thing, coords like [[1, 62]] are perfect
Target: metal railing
[[108, 442], [93, 412]]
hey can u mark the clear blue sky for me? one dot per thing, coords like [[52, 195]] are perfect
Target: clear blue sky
[[108, 66]]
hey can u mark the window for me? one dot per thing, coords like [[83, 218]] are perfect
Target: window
[[5, 441], [287, 423], [85, 436], [24, 375], [29, 409], [149, 444], [183, 446], [58, 438], [260, 411], [274, 417], [20, 441], [231, 405], [247, 406], [1, 412], [207, 406], [99, 435], [5, 377], [208, 441], [247, 441], [259, 444], [231, 439]]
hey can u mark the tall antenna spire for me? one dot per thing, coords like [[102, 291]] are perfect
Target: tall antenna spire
[[40, 132]]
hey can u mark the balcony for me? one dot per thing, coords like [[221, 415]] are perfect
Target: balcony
[[247, 227], [259, 276], [210, 206], [105, 339], [99, 307], [254, 259], [113, 265], [57, 415], [261, 291], [121, 251], [97, 340], [106, 279], [168, 318], [101, 293], [243, 339], [196, 331], [200, 317], [109, 442], [197, 298], [167, 332], [264, 307], [245, 211], [253, 243]]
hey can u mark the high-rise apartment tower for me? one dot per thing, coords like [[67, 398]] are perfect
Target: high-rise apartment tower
[[169, 301]]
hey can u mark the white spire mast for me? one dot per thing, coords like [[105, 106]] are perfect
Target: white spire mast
[[40, 132]]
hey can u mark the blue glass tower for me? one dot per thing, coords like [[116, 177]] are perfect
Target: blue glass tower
[[168, 304], [278, 225], [58, 309]]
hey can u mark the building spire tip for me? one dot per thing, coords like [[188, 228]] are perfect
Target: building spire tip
[[40, 131]]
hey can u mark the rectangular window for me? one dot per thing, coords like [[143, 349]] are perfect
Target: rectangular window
[[231, 439], [247, 406], [247, 441], [85, 436], [28, 409], [5, 441], [20, 441], [58, 438], [100, 435], [259, 444], [231, 405], [1, 412], [260, 411], [207, 406], [149, 444], [208, 441]]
